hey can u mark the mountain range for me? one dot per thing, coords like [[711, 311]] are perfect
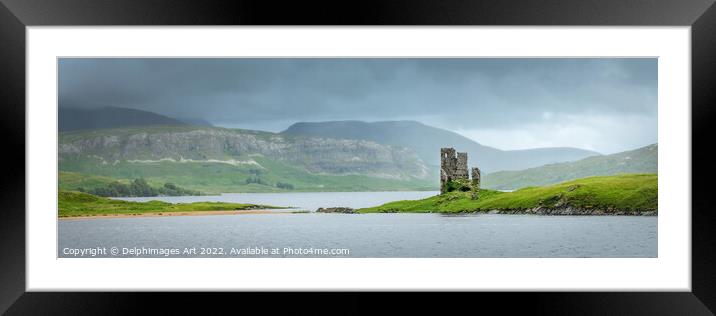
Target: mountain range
[[125, 144], [426, 141]]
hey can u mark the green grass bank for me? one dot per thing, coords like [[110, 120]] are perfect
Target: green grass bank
[[73, 204], [626, 194]]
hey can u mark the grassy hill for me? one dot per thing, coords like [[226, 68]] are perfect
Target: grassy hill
[[71, 203], [621, 194], [642, 160]]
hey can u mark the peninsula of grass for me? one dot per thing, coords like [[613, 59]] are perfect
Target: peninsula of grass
[[626, 194], [73, 204]]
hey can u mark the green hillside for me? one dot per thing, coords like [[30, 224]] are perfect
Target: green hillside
[[214, 178], [73, 181], [642, 160], [106, 186], [621, 194]]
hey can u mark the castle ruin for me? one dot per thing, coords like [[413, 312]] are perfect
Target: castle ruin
[[453, 166]]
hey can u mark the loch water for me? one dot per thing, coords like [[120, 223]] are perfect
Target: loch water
[[429, 235]]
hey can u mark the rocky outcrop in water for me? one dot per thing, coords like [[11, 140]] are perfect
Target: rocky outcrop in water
[[344, 210]]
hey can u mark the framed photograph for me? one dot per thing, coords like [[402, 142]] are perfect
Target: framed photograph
[[547, 155]]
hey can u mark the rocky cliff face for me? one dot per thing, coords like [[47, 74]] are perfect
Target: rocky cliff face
[[183, 144]]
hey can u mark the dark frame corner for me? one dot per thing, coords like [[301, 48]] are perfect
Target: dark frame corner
[[15, 15]]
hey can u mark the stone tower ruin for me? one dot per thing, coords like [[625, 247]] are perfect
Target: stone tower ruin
[[476, 178], [475, 187], [453, 166]]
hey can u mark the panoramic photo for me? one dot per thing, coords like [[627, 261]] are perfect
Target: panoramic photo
[[357, 158]]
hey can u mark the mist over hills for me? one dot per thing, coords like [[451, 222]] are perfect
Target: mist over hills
[[426, 141], [73, 119], [196, 121], [641, 160]]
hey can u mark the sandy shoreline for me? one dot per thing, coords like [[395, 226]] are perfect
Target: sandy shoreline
[[165, 214]]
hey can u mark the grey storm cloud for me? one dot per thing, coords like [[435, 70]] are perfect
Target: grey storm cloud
[[462, 94]]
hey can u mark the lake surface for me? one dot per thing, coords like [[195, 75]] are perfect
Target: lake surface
[[309, 201], [355, 235]]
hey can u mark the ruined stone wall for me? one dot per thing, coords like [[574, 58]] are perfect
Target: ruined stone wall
[[447, 159], [447, 165], [461, 167]]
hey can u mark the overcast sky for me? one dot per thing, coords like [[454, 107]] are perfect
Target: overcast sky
[[607, 105]]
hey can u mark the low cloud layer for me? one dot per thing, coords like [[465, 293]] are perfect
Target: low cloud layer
[[606, 105]]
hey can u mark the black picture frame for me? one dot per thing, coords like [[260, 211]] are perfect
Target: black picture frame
[[16, 15]]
